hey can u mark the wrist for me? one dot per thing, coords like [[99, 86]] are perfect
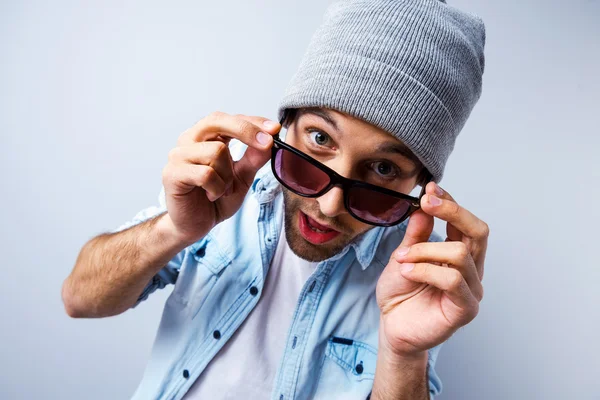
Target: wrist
[[400, 352], [401, 377], [166, 233], [400, 374], [394, 361]]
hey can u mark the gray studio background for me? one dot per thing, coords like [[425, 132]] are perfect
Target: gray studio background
[[94, 94]]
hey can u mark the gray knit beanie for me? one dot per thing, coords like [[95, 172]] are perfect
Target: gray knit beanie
[[411, 67]]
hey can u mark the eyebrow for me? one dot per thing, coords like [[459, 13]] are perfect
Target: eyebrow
[[398, 148], [325, 115]]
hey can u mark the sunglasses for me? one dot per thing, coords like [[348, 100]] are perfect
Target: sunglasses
[[307, 177]]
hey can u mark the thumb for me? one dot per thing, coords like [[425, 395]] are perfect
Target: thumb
[[245, 169], [419, 228]]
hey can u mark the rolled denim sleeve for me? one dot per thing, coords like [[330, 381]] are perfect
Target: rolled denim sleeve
[[435, 383], [166, 275]]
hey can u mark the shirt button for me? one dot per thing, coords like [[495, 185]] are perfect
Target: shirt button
[[217, 334], [359, 369], [201, 252], [186, 373], [253, 291]]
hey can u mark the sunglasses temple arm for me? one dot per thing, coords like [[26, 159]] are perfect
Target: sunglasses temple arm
[[423, 189]]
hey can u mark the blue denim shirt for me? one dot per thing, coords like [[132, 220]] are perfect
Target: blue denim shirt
[[334, 327]]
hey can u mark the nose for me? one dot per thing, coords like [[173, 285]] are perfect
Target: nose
[[332, 202]]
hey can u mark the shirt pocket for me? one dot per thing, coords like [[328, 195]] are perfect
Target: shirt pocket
[[347, 371], [209, 253]]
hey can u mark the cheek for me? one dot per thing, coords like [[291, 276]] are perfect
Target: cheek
[[355, 225], [407, 185], [291, 201], [291, 138]]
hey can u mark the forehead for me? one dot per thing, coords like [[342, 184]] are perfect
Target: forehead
[[351, 131]]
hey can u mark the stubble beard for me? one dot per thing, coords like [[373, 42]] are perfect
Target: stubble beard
[[300, 246]]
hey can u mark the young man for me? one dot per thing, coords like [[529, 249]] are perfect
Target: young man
[[303, 278]]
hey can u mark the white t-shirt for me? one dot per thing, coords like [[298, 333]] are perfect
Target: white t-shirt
[[245, 367]]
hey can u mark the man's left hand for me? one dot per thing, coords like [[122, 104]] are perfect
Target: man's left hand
[[430, 289]]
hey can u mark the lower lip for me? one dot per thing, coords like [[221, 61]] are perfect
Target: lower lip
[[311, 235]]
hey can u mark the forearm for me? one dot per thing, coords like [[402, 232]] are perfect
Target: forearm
[[401, 378], [112, 270]]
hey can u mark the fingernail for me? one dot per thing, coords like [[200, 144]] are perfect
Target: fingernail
[[407, 267], [269, 124], [263, 138], [402, 251], [434, 201], [438, 190]]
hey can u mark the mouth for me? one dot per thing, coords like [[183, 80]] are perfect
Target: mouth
[[315, 232]]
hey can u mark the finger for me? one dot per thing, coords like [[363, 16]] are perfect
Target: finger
[[220, 126], [418, 229], [451, 282], [253, 160], [270, 125], [213, 154], [476, 231], [245, 169], [192, 176], [454, 254], [450, 211], [476, 238], [435, 190]]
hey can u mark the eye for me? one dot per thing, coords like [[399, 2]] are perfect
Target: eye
[[319, 137], [384, 169]]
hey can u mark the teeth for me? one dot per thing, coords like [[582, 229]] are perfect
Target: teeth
[[317, 229]]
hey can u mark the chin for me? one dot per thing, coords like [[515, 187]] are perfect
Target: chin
[[307, 250], [308, 241]]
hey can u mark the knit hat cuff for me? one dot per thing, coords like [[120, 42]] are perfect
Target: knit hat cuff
[[381, 95]]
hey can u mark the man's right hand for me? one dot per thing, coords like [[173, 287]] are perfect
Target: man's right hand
[[203, 185]]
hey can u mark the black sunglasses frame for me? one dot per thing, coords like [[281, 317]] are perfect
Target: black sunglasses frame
[[336, 179]]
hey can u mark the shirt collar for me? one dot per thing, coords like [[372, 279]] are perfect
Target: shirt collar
[[265, 187], [366, 245]]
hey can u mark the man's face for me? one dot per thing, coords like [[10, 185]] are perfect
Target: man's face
[[319, 228]]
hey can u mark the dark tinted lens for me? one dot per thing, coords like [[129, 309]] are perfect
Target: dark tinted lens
[[375, 206], [299, 174]]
